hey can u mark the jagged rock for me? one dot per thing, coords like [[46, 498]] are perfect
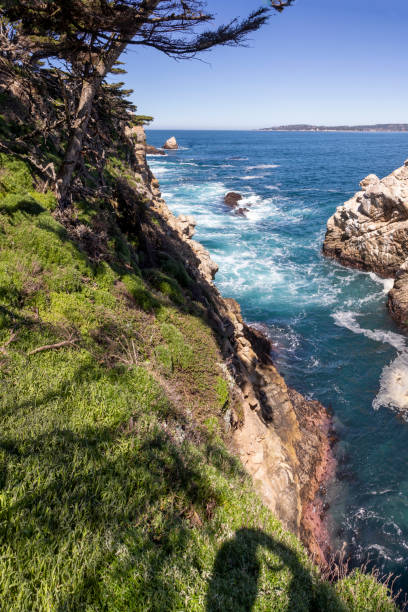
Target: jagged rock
[[151, 150], [232, 200], [370, 232], [398, 296], [187, 225], [171, 143]]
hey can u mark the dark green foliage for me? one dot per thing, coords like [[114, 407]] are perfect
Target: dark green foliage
[[142, 296], [166, 285], [177, 270], [141, 119]]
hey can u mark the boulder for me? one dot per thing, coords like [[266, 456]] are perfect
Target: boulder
[[171, 144], [232, 198]]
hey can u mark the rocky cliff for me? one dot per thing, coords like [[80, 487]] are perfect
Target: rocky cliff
[[282, 439], [370, 232]]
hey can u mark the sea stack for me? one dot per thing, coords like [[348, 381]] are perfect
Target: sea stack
[[370, 232], [171, 144]]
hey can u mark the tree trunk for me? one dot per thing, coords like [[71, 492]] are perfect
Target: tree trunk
[[76, 139], [90, 88]]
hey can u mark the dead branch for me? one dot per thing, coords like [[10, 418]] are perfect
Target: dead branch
[[49, 347]]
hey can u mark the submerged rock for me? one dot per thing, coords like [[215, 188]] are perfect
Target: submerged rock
[[171, 143], [370, 232]]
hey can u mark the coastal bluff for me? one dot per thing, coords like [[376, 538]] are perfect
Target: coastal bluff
[[370, 232], [282, 439]]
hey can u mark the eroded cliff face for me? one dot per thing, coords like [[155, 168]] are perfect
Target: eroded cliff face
[[370, 232], [281, 438]]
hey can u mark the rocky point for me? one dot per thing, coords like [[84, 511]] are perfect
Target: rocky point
[[370, 232]]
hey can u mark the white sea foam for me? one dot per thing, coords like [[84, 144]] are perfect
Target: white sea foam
[[348, 320], [158, 170], [314, 362], [394, 386], [393, 391], [263, 167], [387, 283], [250, 177], [272, 187], [259, 208], [353, 302], [382, 551]]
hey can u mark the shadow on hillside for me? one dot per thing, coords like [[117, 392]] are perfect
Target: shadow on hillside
[[129, 498], [234, 583]]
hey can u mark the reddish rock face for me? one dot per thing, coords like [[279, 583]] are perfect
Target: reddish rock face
[[370, 232]]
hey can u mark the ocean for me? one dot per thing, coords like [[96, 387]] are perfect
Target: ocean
[[333, 338]]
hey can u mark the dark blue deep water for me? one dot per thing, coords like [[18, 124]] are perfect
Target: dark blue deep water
[[334, 339]]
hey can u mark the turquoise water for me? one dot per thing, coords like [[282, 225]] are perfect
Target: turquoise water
[[333, 338]]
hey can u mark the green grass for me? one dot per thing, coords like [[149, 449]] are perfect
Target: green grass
[[117, 491], [222, 389]]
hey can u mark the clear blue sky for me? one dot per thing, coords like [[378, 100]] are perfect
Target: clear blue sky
[[320, 61]]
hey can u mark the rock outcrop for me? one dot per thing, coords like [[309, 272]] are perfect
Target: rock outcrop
[[280, 437], [232, 199], [151, 150], [370, 232], [171, 144]]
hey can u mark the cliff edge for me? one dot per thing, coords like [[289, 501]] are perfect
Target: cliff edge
[[281, 438]]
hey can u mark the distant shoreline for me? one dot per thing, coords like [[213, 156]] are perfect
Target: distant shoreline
[[378, 128]]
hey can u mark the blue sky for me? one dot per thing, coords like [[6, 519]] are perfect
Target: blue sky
[[320, 61]]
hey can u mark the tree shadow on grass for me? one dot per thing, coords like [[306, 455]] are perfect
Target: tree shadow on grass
[[234, 585], [125, 497]]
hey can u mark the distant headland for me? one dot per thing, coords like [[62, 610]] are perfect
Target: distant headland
[[380, 127]]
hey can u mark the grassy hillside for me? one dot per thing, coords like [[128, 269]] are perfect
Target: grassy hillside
[[117, 490]]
